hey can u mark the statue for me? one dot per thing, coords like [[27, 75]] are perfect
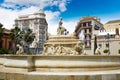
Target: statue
[[97, 51], [20, 50], [62, 50], [78, 48], [58, 50], [45, 49], [83, 50], [60, 30]]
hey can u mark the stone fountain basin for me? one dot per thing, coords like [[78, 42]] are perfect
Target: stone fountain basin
[[37, 67], [38, 63]]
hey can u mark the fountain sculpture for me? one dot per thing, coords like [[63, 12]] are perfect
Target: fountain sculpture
[[62, 44], [20, 50]]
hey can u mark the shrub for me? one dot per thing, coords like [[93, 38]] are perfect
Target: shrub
[[4, 51], [119, 51], [11, 52], [106, 51]]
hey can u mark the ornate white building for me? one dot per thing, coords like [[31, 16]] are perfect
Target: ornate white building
[[37, 22], [85, 27]]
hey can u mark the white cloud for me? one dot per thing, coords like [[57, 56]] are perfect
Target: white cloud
[[52, 19], [29, 10], [61, 4], [62, 7], [52, 15], [7, 18], [8, 5], [70, 25]]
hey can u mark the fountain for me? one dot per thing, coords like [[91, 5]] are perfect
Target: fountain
[[62, 60], [62, 44]]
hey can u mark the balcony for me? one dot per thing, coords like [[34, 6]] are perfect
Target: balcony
[[86, 27], [36, 22]]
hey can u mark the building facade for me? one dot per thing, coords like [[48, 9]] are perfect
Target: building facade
[[105, 41], [113, 24], [85, 27], [6, 40], [112, 41], [37, 22]]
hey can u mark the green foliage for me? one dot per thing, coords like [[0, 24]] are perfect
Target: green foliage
[[106, 51], [95, 43], [4, 51], [11, 52], [28, 36], [119, 51], [24, 37], [15, 35]]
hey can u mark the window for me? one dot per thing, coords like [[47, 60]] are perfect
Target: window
[[84, 24], [85, 31], [85, 36], [89, 23], [100, 45], [90, 36], [1, 44], [107, 45], [10, 45], [89, 30]]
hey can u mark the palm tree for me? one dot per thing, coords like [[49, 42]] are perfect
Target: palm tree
[[1, 32], [24, 37], [28, 38], [15, 35]]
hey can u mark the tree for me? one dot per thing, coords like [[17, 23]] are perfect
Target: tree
[[28, 38], [95, 43], [1, 32], [15, 36], [24, 37]]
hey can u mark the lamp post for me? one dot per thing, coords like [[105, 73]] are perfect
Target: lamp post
[[66, 32], [107, 39]]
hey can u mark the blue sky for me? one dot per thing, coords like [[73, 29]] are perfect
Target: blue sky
[[69, 10], [79, 8]]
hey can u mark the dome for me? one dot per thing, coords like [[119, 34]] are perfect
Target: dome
[[40, 12]]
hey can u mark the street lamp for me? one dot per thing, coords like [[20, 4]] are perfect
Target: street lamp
[[66, 32], [108, 40]]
